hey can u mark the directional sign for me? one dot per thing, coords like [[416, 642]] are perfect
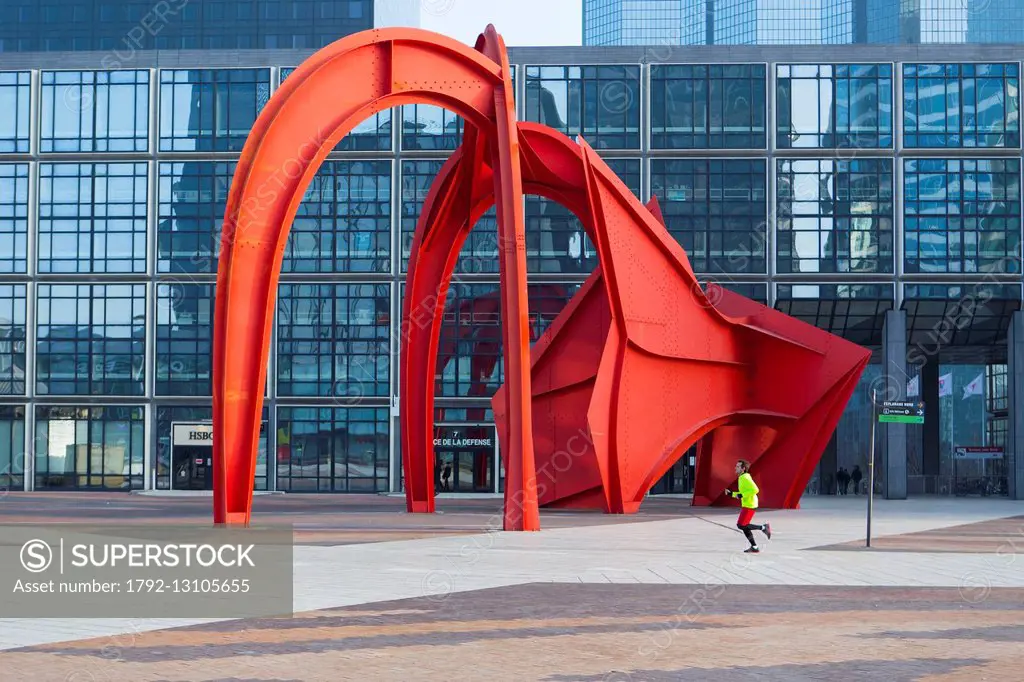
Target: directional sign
[[969, 452], [897, 412]]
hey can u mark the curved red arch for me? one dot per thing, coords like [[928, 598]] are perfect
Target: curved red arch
[[321, 102]]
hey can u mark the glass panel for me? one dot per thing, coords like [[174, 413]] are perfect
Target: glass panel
[[974, 106], [15, 97], [89, 447], [716, 210], [334, 340], [13, 218], [601, 103], [12, 339], [835, 106], [184, 338], [210, 110], [91, 339], [344, 221], [333, 449], [95, 111], [193, 198], [834, 216], [962, 216], [92, 217], [12, 448], [121, 28], [429, 127], [701, 107]]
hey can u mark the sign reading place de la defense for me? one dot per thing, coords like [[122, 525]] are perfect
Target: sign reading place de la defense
[[454, 439]]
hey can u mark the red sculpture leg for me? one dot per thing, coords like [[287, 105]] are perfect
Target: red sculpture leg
[[521, 512]]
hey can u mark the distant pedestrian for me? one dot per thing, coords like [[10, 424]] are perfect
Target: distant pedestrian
[[747, 493], [840, 481], [857, 476]]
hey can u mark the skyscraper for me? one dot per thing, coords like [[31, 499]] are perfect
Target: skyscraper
[[789, 22]]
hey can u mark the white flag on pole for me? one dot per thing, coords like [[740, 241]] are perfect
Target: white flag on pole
[[976, 387], [946, 384], [914, 387]]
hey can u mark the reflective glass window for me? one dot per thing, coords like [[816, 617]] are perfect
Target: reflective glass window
[[92, 217], [555, 240], [184, 338], [469, 362], [15, 98], [855, 312], [90, 447], [601, 103], [333, 449], [834, 216], [834, 106], [91, 339], [425, 126], [373, 134], [480, 251], [961, 105], [344, 221], [698, 106], [210, 109], [12, 340], [716, 209], [13, 218], [193, 198], [95, 111], [962, 215], [333, 340], [12, 448]]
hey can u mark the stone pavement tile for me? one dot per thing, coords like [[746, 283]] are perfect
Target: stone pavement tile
[[576, 632], [990, 536]]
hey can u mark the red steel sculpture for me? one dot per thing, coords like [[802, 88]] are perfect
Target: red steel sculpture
[[640, 365]]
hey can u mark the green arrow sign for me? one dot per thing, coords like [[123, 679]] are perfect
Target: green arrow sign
[[901, 419]]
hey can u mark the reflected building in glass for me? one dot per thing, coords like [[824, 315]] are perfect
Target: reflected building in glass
[[800, 22], [864, 189]]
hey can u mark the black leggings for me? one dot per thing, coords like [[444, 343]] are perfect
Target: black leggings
[[748, 531]]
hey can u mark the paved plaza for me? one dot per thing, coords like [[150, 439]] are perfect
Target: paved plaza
[[663, 595]]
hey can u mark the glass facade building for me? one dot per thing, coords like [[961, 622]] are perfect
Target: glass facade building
[[125, 27], [800, 22], [840, 185]]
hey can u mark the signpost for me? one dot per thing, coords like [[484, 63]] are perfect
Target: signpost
[[892, 412]]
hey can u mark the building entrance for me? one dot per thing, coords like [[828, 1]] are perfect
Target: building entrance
[[192, 456], [464, 458], [679, 479]]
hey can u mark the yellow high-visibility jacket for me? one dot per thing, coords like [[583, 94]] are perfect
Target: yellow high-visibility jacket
[[748, 491]]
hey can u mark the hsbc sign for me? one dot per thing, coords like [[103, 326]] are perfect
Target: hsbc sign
[[196, 435]]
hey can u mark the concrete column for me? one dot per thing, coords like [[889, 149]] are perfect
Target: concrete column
[[931, 429], [827, 468], [1015, 418], [893, 437]]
